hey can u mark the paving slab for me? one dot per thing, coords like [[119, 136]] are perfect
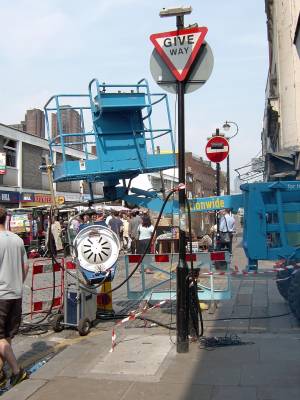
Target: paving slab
[[24, 390], [280, 349], [63, 388], [244, 299], [135, 355], [165, 391], [278, 393], [198, 373], [234, 393], [284, 373]]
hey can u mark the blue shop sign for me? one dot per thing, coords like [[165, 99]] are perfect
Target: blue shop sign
[[9, 197]]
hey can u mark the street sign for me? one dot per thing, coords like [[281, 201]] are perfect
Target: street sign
[[179, 48], [199, 73], [217, 149]]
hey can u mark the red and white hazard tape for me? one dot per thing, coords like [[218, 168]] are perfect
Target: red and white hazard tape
[[113, 340], [133, 315]]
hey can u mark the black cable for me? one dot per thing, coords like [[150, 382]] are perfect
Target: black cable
[[148, 245], [194, 301], [33, 325], [140, 317], [210, 343], [84, 286], [156, 322], [249, 318]]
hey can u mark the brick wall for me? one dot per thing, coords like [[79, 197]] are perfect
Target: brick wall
[[63, 186], [32, 159]]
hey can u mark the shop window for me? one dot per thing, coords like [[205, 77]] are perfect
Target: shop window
[[10, 148]]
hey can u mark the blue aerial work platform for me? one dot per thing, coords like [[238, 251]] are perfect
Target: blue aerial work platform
[[121, 130], [271, 218]]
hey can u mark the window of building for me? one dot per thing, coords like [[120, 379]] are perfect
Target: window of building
[[10, 148], [43, 164]]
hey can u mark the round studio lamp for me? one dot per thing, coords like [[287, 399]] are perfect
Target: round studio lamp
[[98, 248]]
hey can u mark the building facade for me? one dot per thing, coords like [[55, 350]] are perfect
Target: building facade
[[281, 128], [71, 123], [22, 183], [200, 182], [34, 123]]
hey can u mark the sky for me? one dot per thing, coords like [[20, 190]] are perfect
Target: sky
[[53, 46]]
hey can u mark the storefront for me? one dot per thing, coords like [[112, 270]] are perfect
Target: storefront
[[39, 199], [9, 199]]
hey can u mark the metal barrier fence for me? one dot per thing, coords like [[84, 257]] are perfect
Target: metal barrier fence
[[39, 268], [156, 277]]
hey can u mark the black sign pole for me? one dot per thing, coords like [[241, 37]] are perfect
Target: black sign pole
[[182, 288], [218, 192]]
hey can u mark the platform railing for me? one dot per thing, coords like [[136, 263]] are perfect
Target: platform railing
[[61, 141]]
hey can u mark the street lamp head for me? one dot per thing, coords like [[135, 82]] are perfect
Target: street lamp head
[[175, 11], [226, 126]]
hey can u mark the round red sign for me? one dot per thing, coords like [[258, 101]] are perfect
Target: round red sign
[[217, 149]]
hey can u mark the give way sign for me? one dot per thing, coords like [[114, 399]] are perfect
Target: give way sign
[[217, 149], [179, 48]]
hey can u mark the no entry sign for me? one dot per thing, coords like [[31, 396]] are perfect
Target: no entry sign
[[179, 48], [217, 149]]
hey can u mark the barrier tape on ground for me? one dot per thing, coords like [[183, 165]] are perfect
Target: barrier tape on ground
[[131, 317]]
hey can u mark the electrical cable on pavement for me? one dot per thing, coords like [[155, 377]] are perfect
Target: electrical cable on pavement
[[211, 343]]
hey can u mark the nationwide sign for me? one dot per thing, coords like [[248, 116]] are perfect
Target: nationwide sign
[[179, 48], [204, 204]]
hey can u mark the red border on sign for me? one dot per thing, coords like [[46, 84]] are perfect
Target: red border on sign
[[217, 157], [179, 76]]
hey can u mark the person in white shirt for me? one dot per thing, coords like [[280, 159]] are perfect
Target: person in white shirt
[[145, 230], [226, 226], [108, 218], [126, 238]]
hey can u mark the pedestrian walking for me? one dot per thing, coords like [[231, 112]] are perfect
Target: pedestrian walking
[[134, 223], [116, 225], [13, 272], [126, 237], [55, 237], [227, 229], [145, 230], [108, 218], [100, 220]]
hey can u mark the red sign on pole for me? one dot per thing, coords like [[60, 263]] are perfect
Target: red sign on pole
[[179, 48], [217, 149]]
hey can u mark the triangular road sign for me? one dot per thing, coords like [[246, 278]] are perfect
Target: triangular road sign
[[179, 48]]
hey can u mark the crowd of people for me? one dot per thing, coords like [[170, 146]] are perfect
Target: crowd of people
[[133, 229]]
